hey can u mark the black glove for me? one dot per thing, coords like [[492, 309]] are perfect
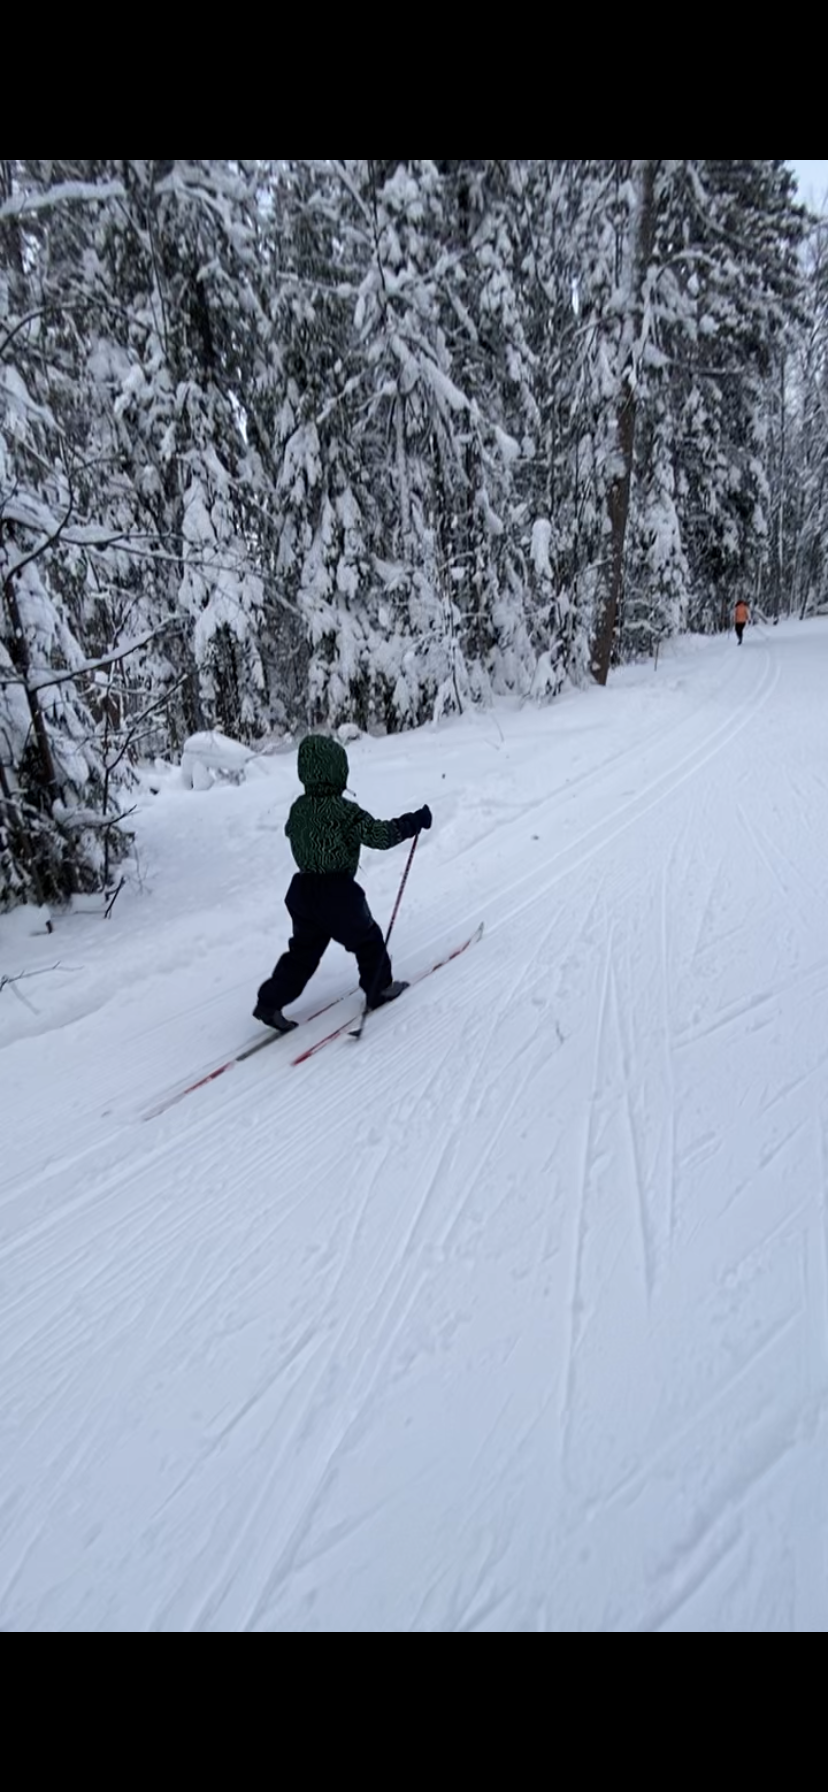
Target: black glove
[[409, 825]]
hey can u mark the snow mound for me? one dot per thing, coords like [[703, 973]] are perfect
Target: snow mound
[[213, 755]]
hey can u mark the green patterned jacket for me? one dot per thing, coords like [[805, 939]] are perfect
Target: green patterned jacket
[[326, 832]]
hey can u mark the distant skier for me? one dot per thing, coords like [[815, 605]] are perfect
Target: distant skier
[[742, 620], [324, 900]]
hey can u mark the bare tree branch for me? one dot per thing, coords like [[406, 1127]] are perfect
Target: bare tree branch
[[113, 899], [28, 977]]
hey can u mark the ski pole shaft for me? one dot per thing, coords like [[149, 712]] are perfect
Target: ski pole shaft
[[405, 876], [358, 1032]]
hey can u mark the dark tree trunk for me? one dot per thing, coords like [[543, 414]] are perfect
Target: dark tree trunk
[[620, 492]]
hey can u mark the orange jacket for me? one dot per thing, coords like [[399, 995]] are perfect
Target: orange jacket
[[742, 613]]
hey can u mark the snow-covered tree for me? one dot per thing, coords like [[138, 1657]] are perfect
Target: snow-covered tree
[[801, 423], [304, 442], [688, 279], [60, 833]]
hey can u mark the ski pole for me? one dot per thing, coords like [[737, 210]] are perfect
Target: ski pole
[[358, 1030], [398, 904]]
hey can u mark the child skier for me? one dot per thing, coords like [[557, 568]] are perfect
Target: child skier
[[324, 900], [742, 620]]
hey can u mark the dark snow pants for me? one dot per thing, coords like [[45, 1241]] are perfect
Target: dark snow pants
[[324, 909], [740, 632]]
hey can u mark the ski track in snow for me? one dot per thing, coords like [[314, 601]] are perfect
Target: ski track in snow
[[513, 1316]]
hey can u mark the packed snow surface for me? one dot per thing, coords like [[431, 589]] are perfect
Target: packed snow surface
[[513, 1316]]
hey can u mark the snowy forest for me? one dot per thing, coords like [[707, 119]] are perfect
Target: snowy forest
[[305, 443]]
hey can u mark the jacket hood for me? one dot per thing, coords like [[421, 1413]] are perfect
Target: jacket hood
[[323, 766]]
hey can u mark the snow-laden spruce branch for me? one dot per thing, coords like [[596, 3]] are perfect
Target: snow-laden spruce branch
[[69, 192], [46, 680], [32, 204]]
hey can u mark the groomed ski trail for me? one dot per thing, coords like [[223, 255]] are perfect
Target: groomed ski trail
[[518, 1317]]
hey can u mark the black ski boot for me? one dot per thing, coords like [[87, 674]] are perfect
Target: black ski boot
[[273, 1017], [391, 994]]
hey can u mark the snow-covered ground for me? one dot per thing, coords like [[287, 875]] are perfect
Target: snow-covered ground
[[514, 1316]]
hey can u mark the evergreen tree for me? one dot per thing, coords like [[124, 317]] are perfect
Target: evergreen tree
[[307, 442], [802, 445], [58, 835]]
